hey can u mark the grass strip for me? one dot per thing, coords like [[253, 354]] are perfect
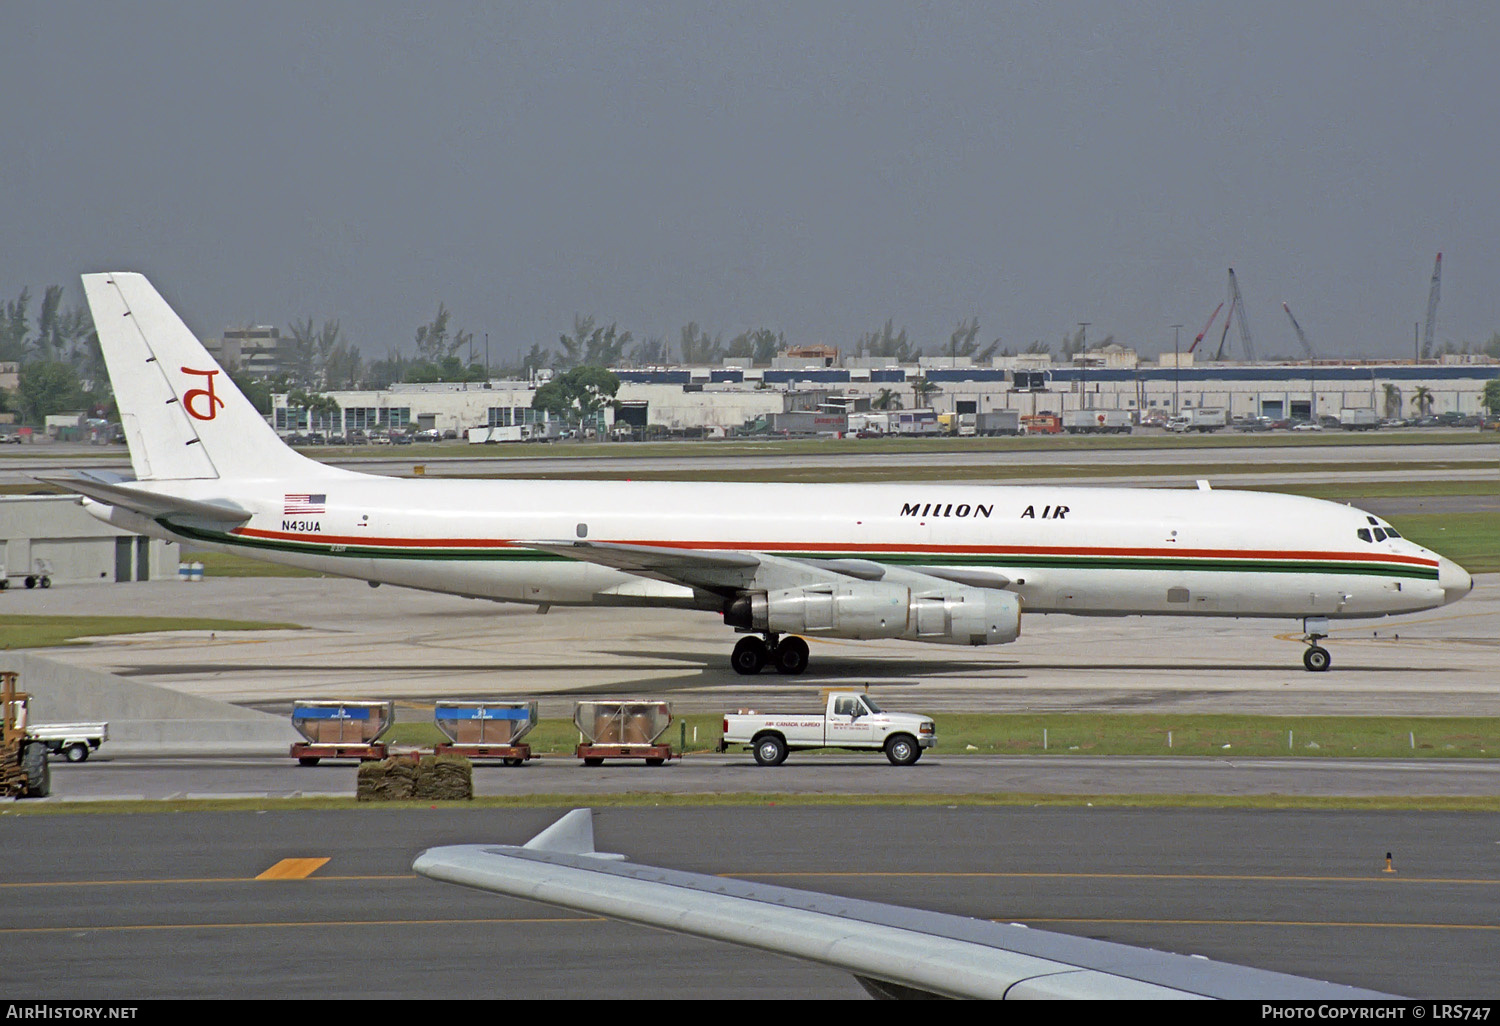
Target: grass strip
[[1470, 539], [1141, 734], [644, 799], [48, 631]]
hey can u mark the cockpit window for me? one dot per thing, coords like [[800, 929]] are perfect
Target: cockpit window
[[1390, 532], [1371, 519], [1379, 534], [1364, 534]]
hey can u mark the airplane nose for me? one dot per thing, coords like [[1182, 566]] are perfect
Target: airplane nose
[[1453, 579]]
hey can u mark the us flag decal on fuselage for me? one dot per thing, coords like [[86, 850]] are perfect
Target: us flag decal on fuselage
[[305, 504]]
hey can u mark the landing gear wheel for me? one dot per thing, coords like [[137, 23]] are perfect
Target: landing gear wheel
[[76, 753], [1316, 659], [902, 750], [790, 656], [770, 750], [748, 657]]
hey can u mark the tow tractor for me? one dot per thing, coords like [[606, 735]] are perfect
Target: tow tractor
[[23, 759]]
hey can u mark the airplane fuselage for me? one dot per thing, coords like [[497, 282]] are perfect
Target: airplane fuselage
[[1100, 551]]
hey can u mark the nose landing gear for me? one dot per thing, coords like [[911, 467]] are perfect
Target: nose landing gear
[[1316, 658], [751, 655]]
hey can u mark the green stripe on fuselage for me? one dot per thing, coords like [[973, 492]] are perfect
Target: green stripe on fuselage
[[1000, 560]]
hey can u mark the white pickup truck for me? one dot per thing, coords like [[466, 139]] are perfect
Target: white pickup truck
[[852, 721], [73, 741]]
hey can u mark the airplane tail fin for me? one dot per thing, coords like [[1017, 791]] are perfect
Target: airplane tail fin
[[182, 416]]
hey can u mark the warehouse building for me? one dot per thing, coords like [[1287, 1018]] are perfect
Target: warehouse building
[[53, 536]]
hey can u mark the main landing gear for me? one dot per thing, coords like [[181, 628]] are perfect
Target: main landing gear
[[752, 654], [1316, 658]]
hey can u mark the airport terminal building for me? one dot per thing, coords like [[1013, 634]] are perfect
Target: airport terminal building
[[727, 397]]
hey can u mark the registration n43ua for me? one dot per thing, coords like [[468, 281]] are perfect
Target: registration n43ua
[[932, 563]]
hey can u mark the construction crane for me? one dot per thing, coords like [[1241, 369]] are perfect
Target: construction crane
[[1300, 336], [1312, 381], [1432, 302], [1236, 303], [1210, 324]]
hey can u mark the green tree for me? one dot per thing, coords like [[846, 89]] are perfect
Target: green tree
[[578, 395], [887, 343], [1392, 400], [696, 346], [1422, 397], [48, 387], [591, 345], [923, 390], [1491, 398], [760, 346]]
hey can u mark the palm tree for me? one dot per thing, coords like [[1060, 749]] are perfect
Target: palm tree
[[1392, 401], [1422, 397]]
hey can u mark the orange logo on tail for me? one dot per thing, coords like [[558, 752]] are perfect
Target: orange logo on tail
[[208, 393]]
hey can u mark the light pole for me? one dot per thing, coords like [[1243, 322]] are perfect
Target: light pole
[[1083, 366], [1176, 365]]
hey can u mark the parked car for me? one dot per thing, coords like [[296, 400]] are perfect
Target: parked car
[[1306, 425], [1284, 424], [450, 434]]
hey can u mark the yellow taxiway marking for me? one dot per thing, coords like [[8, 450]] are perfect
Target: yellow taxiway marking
[[187, 880], [293, 869], [94, 928], [1165, 877]]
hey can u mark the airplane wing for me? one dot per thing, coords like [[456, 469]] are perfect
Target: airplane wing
[[733, 570], [116, 492], [892, 951]]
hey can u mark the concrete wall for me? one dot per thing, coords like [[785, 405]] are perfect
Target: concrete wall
[[142, 718]]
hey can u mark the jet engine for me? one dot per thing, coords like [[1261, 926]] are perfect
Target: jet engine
[[954, 615]]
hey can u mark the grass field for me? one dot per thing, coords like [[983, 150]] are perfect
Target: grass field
[[46, 631], [1065, 734], [1470, 539]]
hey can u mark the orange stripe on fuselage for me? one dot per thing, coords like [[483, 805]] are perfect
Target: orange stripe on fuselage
[[737, 546]]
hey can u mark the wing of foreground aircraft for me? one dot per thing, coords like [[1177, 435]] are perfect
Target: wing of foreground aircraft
[[894, 952]]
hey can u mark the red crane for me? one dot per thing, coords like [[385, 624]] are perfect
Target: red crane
[[1210, 324]]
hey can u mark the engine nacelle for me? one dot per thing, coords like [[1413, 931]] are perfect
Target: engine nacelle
[[966, 616], [859, 610], [866, 609]]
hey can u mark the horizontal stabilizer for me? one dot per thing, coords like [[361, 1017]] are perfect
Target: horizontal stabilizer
[[146, 502]]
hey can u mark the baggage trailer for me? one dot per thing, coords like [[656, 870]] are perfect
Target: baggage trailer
[[485, 730], [40, 575], [341, 730], [628, 729]]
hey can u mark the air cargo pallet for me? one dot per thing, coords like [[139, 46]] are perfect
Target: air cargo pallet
[[594, 755], [309, 754], [513, 755]]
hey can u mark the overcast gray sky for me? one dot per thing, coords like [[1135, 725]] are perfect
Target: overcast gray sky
[[812, 167]]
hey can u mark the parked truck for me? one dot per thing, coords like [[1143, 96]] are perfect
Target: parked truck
[[998, 422], [1358, 420], [850, 720], [1097, 422], [1204, 419], [73, 741]]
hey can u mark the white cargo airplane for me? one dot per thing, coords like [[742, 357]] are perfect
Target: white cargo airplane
[[936, 563]]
